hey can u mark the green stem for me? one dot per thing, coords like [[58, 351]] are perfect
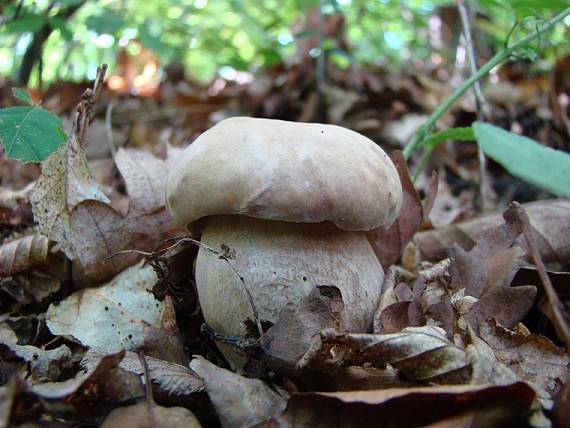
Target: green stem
[[463, 87]]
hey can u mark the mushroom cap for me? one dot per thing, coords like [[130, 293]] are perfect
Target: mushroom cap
[[278, 170]]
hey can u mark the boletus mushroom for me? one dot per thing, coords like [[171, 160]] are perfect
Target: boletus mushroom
[[291, 200]]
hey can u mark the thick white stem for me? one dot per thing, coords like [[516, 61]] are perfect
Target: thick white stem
[[280, 264]]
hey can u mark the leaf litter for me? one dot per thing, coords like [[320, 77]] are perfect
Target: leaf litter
[[451, 343]]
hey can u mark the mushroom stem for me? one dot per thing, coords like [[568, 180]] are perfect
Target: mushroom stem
[[281, 262]]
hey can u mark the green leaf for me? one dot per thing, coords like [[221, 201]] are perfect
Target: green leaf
[[60, 24], [25, 23], [109, 22], [30, 133], [23, 95], [525, 158]]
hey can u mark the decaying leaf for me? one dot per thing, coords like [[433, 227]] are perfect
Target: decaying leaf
[[533, 358], [122, 314], [145, 178], [106, 385], [71, 210], [65, 183], [549, 219], [486, 271], [41, 365], [143, 415], [239, 401], [21, 254], [171, 378], [289, 339], [389, 244], [490, 406], [422, 353]]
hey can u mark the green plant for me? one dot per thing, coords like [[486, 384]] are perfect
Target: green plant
[[29, 133], [521, 156]]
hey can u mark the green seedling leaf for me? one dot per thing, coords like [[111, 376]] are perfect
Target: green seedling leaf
[[23, 95], [525, 158], [30, 134]]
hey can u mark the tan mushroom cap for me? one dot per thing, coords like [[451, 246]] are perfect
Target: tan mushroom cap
[[278, 170]]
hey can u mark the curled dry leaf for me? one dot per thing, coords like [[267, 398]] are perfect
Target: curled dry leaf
[[21, 254], [239, 401], [41, 365], [289, 339], [105, 384], [533, 358], [65, 183], [426, 300], [170, 378], [143, 415], [71, 210], [490, 406], [549, 219], [486, 271], [122, 314], [422, 353], [389, 244]]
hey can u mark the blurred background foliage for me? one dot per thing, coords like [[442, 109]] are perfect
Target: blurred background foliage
[[46, 40]]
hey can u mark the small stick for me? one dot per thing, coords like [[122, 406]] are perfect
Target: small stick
[[558, 319], [479, 99]]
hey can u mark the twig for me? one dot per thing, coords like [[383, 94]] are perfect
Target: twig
[[225, 255], [499, 57], [479, 99], [558, 319], [147, 380], [83, 110], [109, 129]]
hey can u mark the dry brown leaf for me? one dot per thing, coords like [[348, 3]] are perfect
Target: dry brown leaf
[[170, 378], [41, 365], [533, 358], [239, 401], [21, 254], [145, 178], [389, 244], [143, 415], [105, 385], [99, 232], [491, 406], [65, 183], [122, 314], [549, 219], [289, 339], [486, 271], [422, 353]]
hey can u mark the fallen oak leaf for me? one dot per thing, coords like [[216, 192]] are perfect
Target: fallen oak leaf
[[239, 401], [388, 244], [496, 406], [422, 353], [98, 232], [486, 271], [21, 254], [65, 181], [171, 378], [105, 384], [122, 314], [143, 415], [533, 358], [548, 219], [41, 365]]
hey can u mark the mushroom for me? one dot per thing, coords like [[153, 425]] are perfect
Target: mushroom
[[292, 202]]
